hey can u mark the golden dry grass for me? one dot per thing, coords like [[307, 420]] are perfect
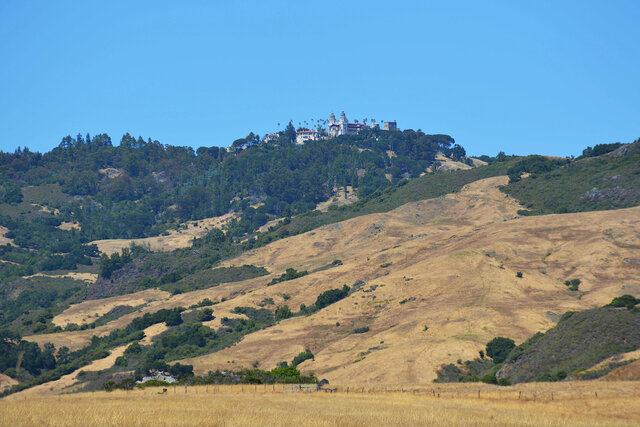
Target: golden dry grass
[[68, 383], [5, 240], [85, 277], [471, 405], [175, 239], [88, 311], [448, 164], [450, 264], [453, 263], [6, 381], [69, 226], [630, 372], [340, 199]]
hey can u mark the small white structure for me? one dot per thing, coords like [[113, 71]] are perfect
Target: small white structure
[[306, 135], [270, 137], [158, 376]]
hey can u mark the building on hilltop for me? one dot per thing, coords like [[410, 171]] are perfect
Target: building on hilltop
[[306, 135], [270, 137], [343, 127], [335, 128]]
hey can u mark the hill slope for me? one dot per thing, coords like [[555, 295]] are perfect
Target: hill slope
[[579, 341], [452, 262], [448, 264], [608, 181]]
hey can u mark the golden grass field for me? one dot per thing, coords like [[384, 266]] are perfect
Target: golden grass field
[[564, 404]]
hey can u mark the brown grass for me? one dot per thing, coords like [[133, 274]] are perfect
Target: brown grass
[[85, 277], [68, 226], [6, 381], [453, 262], [89, 311], [630, 372], [340, 199], [448, 164], [5, 240], [68, 383], [473, 405], [175, 239]]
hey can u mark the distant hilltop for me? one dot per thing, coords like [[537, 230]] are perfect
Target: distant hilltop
[[326, 129]]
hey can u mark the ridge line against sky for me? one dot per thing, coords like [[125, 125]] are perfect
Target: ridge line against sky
[[547, 77]]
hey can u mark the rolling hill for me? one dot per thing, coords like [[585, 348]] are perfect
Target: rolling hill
[[431, 268], [448, 264]]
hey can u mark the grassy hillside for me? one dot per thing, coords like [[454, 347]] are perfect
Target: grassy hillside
[[53, 205], [436, 266], [574, 348], [430, 281], [609, 181], [428, 186], [579, 341]]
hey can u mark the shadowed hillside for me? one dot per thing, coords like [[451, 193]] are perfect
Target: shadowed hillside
[[579, 341]]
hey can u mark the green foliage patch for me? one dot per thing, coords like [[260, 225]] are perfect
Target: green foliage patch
[[610, 181]]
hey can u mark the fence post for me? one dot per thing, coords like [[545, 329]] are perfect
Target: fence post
[[478, 394], [519, 395], [551, 395], [185, 388], [347, 389]]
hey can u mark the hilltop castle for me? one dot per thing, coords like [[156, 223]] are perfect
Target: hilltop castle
[[343, 127], [335, 128]]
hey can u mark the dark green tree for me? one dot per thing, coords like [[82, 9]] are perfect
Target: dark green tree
[[498, 348]]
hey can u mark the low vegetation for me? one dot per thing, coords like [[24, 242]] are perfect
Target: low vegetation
[[578, 342], [289, 274], [608, 181]]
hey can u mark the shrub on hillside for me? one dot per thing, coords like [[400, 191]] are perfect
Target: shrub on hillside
[[301, 357], [331, 296], [290, 274], [498, 348], [174, 318], [627, 300], [205, 315], [283, 312], [573, 284], [133, 348], [550, 377]]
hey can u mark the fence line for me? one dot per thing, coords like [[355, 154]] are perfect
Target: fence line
[[526, 393]]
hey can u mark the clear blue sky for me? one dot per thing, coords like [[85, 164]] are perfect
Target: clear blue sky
[[546, 77]]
